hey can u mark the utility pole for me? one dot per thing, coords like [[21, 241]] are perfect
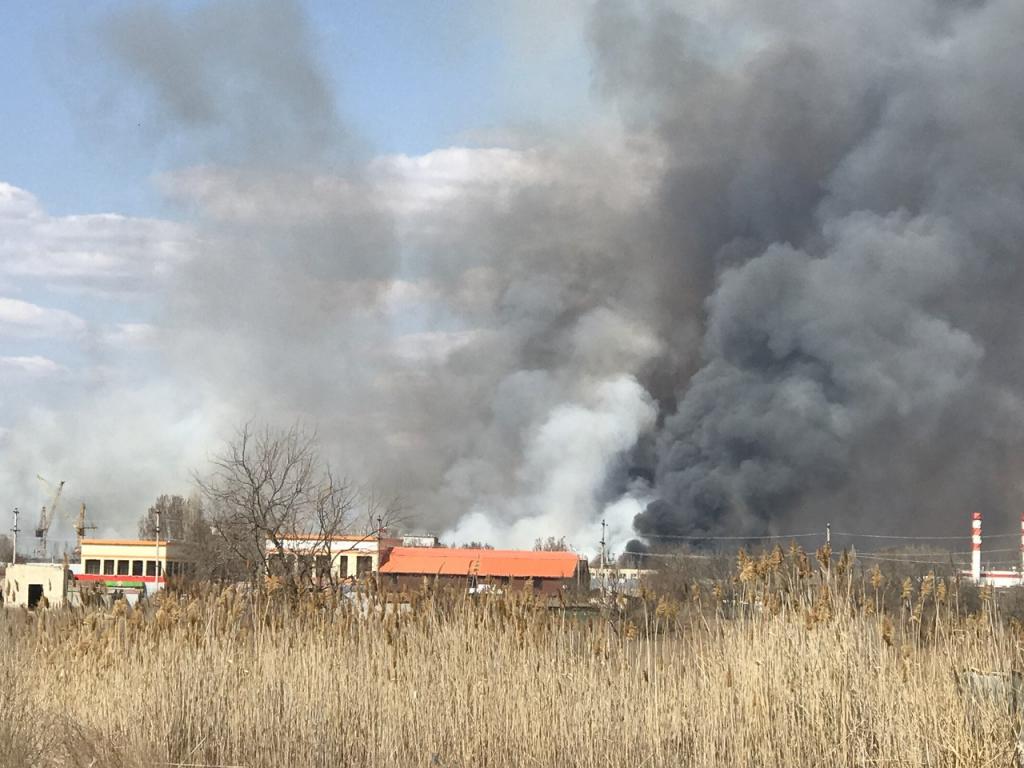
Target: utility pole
[[14, 530], [603, 524], [156, 561], [828, 546]]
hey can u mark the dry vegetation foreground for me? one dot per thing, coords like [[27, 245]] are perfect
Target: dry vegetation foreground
[[781, 672]]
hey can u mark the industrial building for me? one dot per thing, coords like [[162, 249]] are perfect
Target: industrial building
[[546, 573], [989, 577], [622, 581], [132, 563], [337, 557]]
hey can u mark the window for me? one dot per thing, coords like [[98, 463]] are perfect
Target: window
[[122, 567], [151, 568], [136, 567], [364, 565], [92, 566], [108, 567], [343, 567]]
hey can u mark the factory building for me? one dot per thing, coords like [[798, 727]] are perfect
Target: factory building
[[546, 573], [989, 577], [622, 581], [338, 557], [132, 563]]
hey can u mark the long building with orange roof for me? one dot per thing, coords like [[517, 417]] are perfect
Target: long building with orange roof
[[544, 572]]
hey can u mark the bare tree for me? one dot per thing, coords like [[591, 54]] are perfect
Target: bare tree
[[267, 486], [184, 520], [6, 549], [551, 544], [180, 519]]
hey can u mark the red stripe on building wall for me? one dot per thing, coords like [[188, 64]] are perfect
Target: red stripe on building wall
[[121, 578]]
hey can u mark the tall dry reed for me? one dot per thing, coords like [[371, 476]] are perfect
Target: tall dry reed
[[784, 666]]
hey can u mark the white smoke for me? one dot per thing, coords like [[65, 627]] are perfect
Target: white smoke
[[565, 465]]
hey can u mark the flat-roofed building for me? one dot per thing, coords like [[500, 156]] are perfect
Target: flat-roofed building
[[36, 585], [544, 572], [324, 557], [122, 563]]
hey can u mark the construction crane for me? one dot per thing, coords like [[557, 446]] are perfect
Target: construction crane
[[80, 528], [46, 516]]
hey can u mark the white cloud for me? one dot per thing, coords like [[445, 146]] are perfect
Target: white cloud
[[130, 335], [30, 365], [420, 184], [100, 253], [16, 203], [22, 319]]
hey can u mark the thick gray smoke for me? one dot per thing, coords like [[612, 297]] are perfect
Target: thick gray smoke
[[775, 284], [845, 183]]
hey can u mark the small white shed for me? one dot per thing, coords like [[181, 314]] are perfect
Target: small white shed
[[34, 585]]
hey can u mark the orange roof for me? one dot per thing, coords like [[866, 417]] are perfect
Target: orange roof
[[518, 564], [333, 537], [132, 542]]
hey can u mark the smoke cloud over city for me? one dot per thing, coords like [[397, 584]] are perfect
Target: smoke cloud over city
[[770, 282]]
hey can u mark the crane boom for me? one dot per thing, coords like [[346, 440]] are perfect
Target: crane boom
[[46, 516]]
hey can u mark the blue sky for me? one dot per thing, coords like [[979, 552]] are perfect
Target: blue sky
[[445, 101], [409, 77]]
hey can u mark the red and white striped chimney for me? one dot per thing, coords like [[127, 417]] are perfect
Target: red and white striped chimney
[[976, 545]]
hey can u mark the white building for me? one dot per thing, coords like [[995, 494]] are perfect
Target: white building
[[36, 585]]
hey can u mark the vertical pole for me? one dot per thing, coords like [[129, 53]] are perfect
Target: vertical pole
[[13, 555], [156, 563], [1022, 547], [976, 547], [603, 524], [828, 545]]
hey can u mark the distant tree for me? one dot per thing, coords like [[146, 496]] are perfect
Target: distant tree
[[551, 544], [266, 485], [6, 549], [475, 545], [185, 520], [180, 519]]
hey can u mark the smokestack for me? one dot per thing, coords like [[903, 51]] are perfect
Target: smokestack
[[976, 546]]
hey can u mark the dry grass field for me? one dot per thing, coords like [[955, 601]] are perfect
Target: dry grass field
[[780, 666]]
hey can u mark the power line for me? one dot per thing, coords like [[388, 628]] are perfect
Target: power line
[[762, 537], [818, 534], [920, 538], [937, 554]]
